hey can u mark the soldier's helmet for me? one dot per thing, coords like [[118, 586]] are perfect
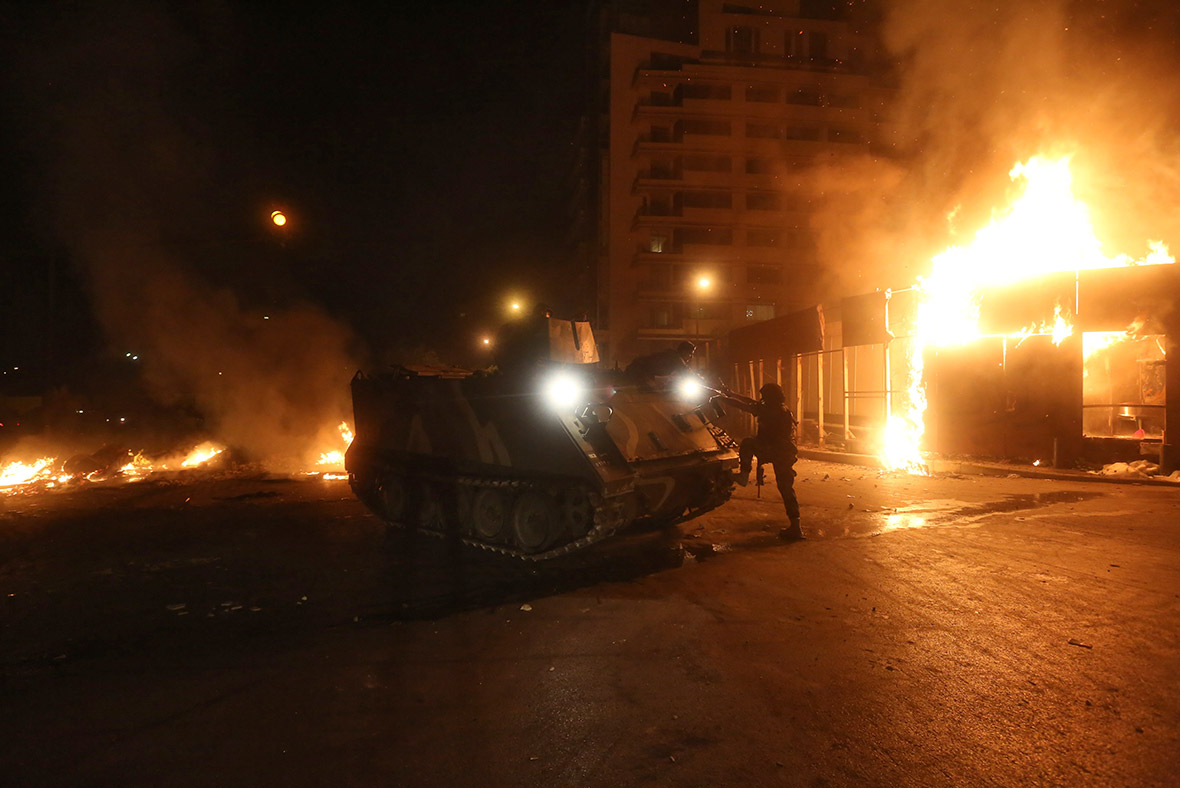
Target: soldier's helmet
[[772, 393]]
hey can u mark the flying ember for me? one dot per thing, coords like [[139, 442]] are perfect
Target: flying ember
[[1045, 230]]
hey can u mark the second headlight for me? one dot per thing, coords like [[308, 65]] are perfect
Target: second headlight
[[564, 391]]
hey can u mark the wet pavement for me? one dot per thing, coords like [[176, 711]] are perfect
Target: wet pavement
[[946, 630]]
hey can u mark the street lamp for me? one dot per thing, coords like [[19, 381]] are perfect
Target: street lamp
[[278, 218], [515, 304]]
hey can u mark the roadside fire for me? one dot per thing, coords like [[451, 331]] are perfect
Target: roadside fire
[[51, 472], [18, 474], [331, 462], [201, 455], [114, 465], [1045, 230]]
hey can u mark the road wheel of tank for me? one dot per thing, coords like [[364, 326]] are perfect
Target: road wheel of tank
[[490, 512], [464, 507], [431, 514], [577, 512], [536, 523], [393, 496]]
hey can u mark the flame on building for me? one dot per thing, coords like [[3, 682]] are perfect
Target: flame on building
[[1045, 230]]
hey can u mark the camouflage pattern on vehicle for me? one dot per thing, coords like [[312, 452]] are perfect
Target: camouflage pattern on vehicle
[[536, 459]]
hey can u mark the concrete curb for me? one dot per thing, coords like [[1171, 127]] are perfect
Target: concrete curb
[[976, 468]]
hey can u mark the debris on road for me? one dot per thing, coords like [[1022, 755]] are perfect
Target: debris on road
[[1139, 469], [1075, 642]]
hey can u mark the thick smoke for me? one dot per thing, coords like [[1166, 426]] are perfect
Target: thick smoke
[[145, 152], [980, 86], [271, 384]]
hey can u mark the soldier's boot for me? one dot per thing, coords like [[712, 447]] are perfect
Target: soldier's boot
[[792, 533]]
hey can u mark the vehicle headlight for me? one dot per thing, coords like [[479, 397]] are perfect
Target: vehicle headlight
[[564, 391], [690, 388]]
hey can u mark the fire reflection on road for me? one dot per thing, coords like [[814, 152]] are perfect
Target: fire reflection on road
[[943, 512], [901, 520]]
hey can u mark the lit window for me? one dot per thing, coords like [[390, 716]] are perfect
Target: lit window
[[1124, 387]]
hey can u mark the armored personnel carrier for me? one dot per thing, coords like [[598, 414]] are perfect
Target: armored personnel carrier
[[542, 457]]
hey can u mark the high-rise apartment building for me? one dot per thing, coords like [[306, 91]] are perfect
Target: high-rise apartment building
[[711, 113]]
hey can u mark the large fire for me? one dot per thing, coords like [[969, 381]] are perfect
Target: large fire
[[16, 474], [53, 472], [1045, 230], [49, 472]]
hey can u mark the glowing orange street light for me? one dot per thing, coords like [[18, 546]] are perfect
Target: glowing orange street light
[[279, 218], [487, 341], [514, 305], [704, 283]]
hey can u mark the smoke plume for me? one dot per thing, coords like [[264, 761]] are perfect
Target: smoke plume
[[980, 86], [148, 155]]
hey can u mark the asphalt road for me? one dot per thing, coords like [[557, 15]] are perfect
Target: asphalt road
[[953, 631]]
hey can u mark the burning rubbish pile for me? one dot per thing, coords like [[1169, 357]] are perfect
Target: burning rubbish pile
[[112, 464], [106, 464], [331, 463]]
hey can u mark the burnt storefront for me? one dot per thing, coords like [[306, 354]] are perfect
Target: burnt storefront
[[1064, 368]]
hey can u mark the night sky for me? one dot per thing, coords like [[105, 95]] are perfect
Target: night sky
[[421, 152]]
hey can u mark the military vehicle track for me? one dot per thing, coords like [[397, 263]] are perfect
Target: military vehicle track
[[580, 512]]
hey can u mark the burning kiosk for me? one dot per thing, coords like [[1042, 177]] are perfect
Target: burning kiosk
[[1094, 389], [1028, 342]]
